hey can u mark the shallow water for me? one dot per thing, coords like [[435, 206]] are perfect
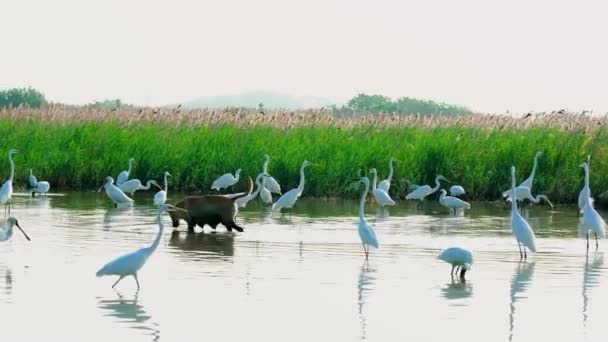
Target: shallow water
[[298, 277]]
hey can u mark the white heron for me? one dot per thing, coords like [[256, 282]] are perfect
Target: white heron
[[270, 183], [523, 193], [133, 185], [456, 190], [6, 192], [161, 196], [114, 192], [523, 233], [528, 182], [226, 180], [366, 231], [32, 181], [452, 203], [265, 194], [35, 186], [422, 191], [129, 264], [7, 233], [586, 191], [381, 196], [124, 175], [259, 182], [592, 221], [386, 184], [290, 197], [459, 258]]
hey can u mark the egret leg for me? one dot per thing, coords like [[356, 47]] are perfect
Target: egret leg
[[119, 279], [596, 243], [457, 269], [452, 272], [521, 255], [587, 234], [137, 281], [525, 253]]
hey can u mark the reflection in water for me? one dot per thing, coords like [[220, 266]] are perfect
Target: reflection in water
[[519, 284], [8, 285], [111, 215], [128, 311], [214, 243], [382, 212], [365, 285], [457, 289], [591, 273]]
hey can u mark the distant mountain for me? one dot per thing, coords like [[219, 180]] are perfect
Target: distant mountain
[[253, 99]]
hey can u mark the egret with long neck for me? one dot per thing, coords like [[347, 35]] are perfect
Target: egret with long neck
[[366, 231], [422, 191], [161, 196], [386, 184], [381, 196], [6, 192], [290, 197], [586, 191], [520, 228], [271, 184], [592, 221]]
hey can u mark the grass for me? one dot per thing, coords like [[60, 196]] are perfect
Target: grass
[[75, 147]]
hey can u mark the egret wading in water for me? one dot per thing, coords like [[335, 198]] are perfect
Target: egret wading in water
[[35, 186], [290, 197], [270, 183], [528, 182], [161, 196], [114, 193], [452, 203], [7, 233], [422, 191], [129, 264], [366, 231], [521, 229], [265, 194], [259, 182], [381, 196], [124, 175], [386, 184], [523, 193], [459, 258], [586, 191], [226, 180], [592, 221], [133, 185], [6, 192], [456, 190]]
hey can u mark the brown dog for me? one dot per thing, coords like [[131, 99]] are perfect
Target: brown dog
[[208, 209]]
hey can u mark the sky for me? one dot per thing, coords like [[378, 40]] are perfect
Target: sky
[[493, 56]]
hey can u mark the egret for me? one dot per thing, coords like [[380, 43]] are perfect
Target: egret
[[366, 231], [32, 181], [133, 185], [452, 203], [456, 190], [129, 264], [259, 182], [381, 196], [422, 191], [124, 175], [226, 180], [523, 193], [161, 196], [271, 184], [290, 197], [520, 228], [42, 188], [114, 193], [459, 258], [6, 192], [386, 184], [530, 179], [265, 194], [592, 221], [7, 233], [586, 191]]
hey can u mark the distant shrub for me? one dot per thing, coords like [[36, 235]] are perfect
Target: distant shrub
[[16, 97]]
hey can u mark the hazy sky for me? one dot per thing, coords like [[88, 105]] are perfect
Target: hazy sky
[[490, 55]]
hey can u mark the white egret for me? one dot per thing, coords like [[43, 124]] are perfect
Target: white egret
[[161, 196], [592, 221], [124, 175], [524, 235], [265, 194], [114, 192], [129, 264], [523, 193], [6, 192], [528, 182], [271, 184], [133, 185], [259, 182], [226, 180], [32, 181], [7, 233], [42, 188], [459, 258], [381, 196], [366, 231], [586, 191], [290, 197], [422, 191], [452, 203], [386, 184], [456, 190]]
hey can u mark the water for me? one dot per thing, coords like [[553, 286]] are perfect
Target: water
[[297, 278]]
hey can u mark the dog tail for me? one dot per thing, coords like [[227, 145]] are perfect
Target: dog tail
[[246, 193]]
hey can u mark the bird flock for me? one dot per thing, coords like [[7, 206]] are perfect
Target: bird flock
[[461, 259]]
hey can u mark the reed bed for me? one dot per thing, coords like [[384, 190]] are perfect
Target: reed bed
[[77, 147]]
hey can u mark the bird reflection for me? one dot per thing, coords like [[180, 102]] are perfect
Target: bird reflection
[[265, 214], [128, 311], [591, 273], [113, 214], [457, 289], [365, 285], [8, 284], [214, 243], [382, 212], [519, 284]]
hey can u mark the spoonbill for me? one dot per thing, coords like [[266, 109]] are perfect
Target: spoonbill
[[422, 191], [586, 191], [226, 180], [259, 182], [290, 197], [459, 258], [271, 184], [452, 203], [133, 185], [592, 221], [124, 175], [7, 233], [161, 196], [114, 193], [528, 182], [456, 190], [129, 264], [381, 196], [366, 231], [6, 192], [524, 235], [386, 184]]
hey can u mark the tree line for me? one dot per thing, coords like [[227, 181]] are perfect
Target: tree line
[[365, 104]]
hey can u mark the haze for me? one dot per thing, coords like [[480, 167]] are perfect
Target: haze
[[490, 56]]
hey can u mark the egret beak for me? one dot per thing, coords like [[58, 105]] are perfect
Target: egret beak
[[314, 164], [24, 234], [158, 186], [101, 187]]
